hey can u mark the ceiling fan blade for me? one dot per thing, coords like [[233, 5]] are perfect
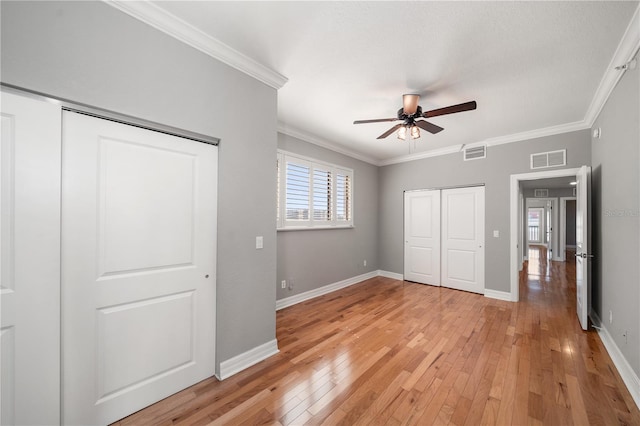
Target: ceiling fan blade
[[377, 120], [391, 130], [429, 127], [410, 104], [467, 106]]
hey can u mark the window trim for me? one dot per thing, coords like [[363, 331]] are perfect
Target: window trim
[[312, 224]]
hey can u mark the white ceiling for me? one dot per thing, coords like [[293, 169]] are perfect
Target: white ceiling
[[529, 65]]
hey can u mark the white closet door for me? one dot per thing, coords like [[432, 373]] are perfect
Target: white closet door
[[138, 267], [422, 236], [463, 239], [30, 261]]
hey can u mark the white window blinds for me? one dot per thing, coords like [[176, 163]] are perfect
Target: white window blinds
[[313, 194], [297, 191]]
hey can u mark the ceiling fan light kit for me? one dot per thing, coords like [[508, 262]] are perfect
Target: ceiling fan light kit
[[411, 112], [413, 131], [402, 133]]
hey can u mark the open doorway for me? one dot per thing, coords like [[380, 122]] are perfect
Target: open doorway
[[538, 190], [536, 226], [543, 227]]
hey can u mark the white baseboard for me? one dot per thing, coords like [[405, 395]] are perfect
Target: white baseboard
[[245, 360], [391, 275], [292, 300], [629, 377], [496, 294]]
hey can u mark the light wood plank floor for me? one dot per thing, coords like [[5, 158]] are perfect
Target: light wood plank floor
[[390, 352]]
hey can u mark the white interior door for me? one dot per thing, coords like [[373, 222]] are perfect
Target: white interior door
[[30, 261], [422, 236], [138, 267], [463, 239], [583, 231]]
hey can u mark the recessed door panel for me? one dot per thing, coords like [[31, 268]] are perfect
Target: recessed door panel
[[161, 329], [422, 260], [421, 216], [146, 208], [461, 265], [460, 223]]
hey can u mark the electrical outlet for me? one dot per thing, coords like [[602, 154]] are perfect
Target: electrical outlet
[[365, 262], [610, 317], [283, 284]]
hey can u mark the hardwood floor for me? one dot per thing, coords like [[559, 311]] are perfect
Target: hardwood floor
[[391, 352]]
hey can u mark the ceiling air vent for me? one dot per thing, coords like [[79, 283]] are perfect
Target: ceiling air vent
[[541, 193], [475, 153], [542, 160]]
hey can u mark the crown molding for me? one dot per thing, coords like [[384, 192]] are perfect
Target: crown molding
[[534, 134], [307, 137], [627, 48], [420, 155], [500, 140], [170, 24]]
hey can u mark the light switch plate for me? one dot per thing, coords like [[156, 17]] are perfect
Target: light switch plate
[[259, 242], [496, 234]]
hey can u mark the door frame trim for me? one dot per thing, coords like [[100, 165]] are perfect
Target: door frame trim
[[514, 191]]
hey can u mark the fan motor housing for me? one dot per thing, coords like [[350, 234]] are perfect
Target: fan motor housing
[[403, 116]]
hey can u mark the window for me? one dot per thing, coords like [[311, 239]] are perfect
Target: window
[[313, 194]]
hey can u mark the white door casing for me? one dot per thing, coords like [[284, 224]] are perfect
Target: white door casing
[[30, 261], [583, 256], [422, 236], [138, 267], [463, 239]]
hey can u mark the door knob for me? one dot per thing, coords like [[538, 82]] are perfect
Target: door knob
[[583, 255]]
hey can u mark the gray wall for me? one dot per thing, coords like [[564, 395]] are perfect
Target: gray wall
[[315, 258], [616, 216], [92, 53], [450, 170]]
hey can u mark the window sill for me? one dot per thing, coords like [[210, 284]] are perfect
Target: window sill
[[314, 228]]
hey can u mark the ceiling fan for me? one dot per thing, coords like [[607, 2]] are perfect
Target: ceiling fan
[[411, 112]]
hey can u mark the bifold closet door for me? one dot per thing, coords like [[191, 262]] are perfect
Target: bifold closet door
[[30, 261], [138, 267], [463, 239], [422, 236]]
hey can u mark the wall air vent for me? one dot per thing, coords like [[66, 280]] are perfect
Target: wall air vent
[[543, 160], [475, 153], [541, 193]]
